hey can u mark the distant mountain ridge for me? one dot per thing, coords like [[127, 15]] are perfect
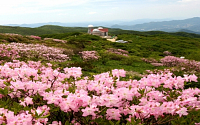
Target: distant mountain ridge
[[85, 24], [191, 25]]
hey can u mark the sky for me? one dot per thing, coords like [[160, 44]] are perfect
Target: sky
[[66, 11]]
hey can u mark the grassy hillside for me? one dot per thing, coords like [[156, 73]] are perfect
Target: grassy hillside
[[48, 29], [146, 45], [155, 45], [51, 29], [28, 63], [140, 45]]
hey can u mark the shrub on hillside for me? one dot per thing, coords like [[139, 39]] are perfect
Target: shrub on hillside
[[35, 37], [34, 94], [167, 53], [118, 51], [8, 53], [89, 55], [188, 65], [38, 51]]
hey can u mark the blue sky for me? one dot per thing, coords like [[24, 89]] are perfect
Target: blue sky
[[41, 11]]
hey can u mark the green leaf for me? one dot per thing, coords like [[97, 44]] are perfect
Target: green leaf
[[4, 91], [45, 116], [67, 123], [41, 114], [111, 123], [173, 123], [7, 84], [118, 123], [36, 114], [48, 90]]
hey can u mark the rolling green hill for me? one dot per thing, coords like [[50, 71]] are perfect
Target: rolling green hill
[[43, 65], [52, 29], [140, 45], [48, 29]]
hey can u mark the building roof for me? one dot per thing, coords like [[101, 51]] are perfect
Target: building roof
[[102, 30], [96, 30], [90, 26]]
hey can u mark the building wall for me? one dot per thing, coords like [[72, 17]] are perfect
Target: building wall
[[89, 29], [98, 33]]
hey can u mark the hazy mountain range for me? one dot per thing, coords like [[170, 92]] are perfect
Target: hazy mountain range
[[85, 24], [191, 25]]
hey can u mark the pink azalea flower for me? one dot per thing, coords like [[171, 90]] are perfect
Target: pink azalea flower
[[113, 114], [28, 100], [182, 111], [90, 110]]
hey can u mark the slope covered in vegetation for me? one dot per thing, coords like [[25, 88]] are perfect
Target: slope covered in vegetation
[[52, 29], [74, 77]]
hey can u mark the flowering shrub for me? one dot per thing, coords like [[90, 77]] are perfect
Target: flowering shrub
[[172, 61], [118, 51], [167, 53], [89, 55], [10, 37], [41, 95], [35, 37], [181, 62], [40, 51], [8, 52], [56, 40]]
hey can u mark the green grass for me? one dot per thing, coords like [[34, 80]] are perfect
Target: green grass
[[140, 45]]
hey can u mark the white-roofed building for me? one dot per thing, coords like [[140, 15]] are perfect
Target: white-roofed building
[[100, 31]]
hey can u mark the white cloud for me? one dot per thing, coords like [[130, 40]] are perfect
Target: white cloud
[[186, 1], [92, 13], [36, 6], [82, 10]]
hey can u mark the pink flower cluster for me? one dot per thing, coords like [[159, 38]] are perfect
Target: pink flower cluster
[[167, 53], [33, 79], [56, 40], [101, 96], [181, 62], [6, 51], [89, 55], [41, 51], [172, 61], [118, 51], [35, 37]]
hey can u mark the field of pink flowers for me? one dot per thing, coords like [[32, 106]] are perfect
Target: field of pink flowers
[[35, 93], [16, 50]]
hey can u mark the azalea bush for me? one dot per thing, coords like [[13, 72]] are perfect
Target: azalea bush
[[39, 51], [32, 93], [8, 53], [10, 37], [118, 51], [187, 65], [89, 55], [35, 37]]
